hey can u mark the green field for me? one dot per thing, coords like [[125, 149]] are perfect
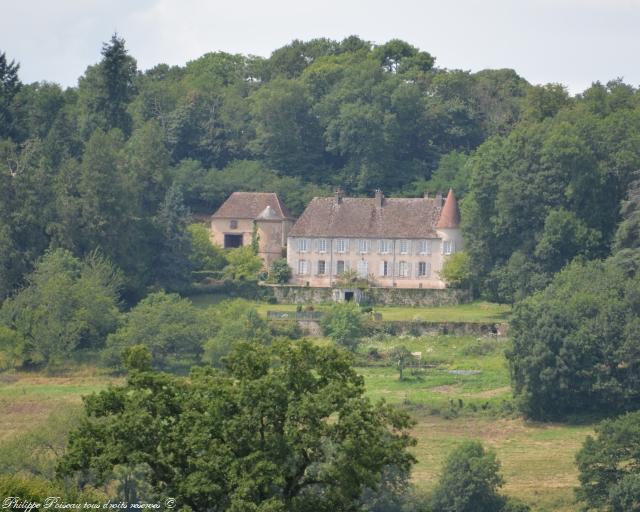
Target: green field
[[537, 458], [473, 312]]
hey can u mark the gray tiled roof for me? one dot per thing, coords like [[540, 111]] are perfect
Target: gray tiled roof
[[361, 218], [248, 205]]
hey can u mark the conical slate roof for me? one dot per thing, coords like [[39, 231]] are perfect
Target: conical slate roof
[[450, 215], [268, 214]]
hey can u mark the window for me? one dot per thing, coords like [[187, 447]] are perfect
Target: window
[[404, 246], [231, 241], [341, 245], [424, 247], [363, 269], [385, 269], [403, 269], [322, 267], [303, 267], [423, 269], [233, 224], [384, 246], [340, 267], [447, 247], [363, 246], [303, 244], [322, 245]]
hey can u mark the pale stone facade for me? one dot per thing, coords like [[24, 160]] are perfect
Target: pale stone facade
[[412, 257], [233, 224]]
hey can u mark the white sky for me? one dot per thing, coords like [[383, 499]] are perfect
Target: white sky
[[573, 42]]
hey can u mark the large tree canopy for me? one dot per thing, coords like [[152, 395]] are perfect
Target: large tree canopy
[[282, 428]]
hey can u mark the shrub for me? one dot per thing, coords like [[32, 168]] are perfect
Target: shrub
[[280, 271], [470, 481], [343, 324], [205, 255], [243, 264]]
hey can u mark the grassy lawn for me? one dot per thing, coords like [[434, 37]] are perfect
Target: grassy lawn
[[537, 458], [27, 399], [474, 312], [485, 387]]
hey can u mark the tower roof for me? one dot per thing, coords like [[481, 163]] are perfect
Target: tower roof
[[450, 215], [268, 214]]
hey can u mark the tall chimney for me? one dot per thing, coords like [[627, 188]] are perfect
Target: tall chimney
[[379, 198], [339, 194], [439, 198]]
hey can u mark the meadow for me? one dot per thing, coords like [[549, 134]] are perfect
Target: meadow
[[459, 390], [476, 312]]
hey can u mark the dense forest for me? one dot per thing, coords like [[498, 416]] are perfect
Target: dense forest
[[110, 164]]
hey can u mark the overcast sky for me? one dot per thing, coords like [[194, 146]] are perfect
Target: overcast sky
[[573, 42]]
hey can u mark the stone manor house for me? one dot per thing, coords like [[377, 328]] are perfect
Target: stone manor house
[[391, 242]]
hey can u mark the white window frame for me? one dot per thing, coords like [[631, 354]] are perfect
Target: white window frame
[[384, 246], [406, 246], [363, 245], [324, 267], [424, 247], [322, 245], [341, 245], [385, 268], [403, 269], [303, 267], [427, 269], [344, 266], [447, 247], [363, 269], [303, 244]]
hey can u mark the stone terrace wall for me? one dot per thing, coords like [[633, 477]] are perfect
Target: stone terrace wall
[[288, 294]]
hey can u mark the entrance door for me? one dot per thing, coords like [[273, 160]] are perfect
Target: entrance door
[[348, 296], [232, 241]]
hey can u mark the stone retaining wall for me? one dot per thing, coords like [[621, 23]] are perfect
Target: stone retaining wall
[[288, 294]]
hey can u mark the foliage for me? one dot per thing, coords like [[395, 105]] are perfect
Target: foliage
[[35, 451], [68, 304], [170, 327], [470, 481], [243, 264], [280, 271], [550, 189], [31, 489], [173, 266], [237, 321], [282, 428], [402, 357], [575, 343], [205, 255], [609, 465], [457, 270], [343, 324]]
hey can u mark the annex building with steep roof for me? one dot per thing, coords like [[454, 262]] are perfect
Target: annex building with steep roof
[[234, 223], [391, 242]]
